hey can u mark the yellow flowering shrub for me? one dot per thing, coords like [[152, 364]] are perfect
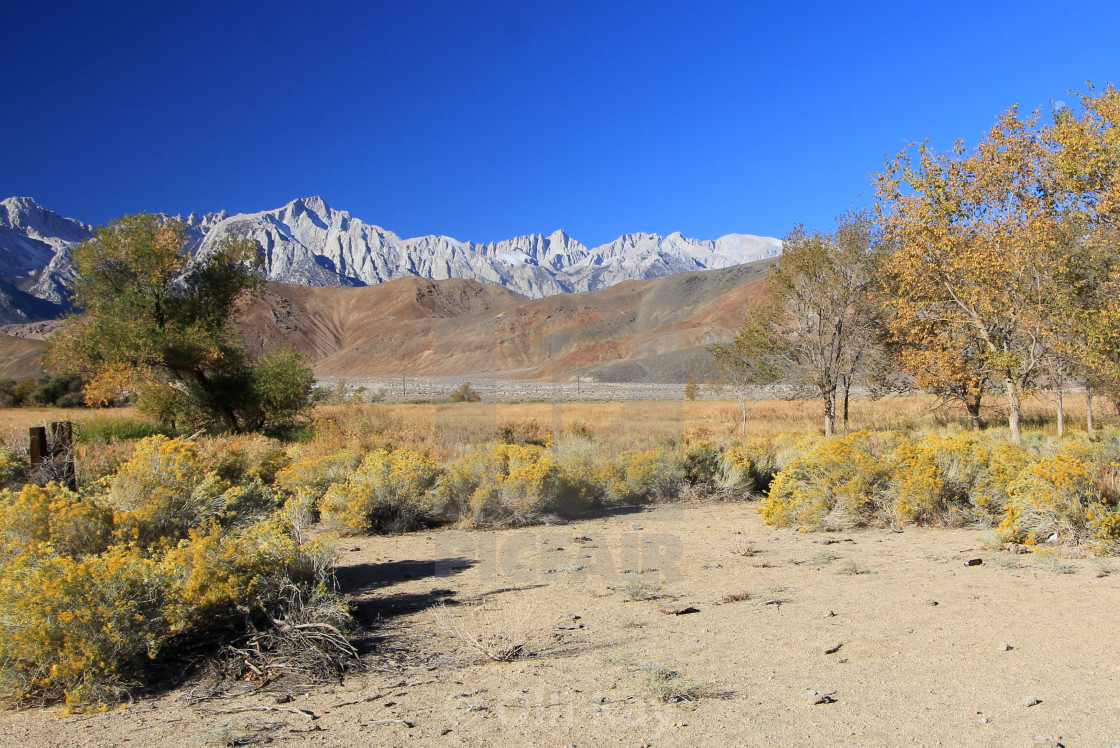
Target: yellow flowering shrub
[[242, 457], [836, 483], [511, 484], [155, 493], [92, 586], [650, 474], [54, 515], [79, 630], [1104, 529], [747, 467], [788, 447], [389, 492], [217, 574], [303, 482], [932, 480], [989, 493], [1051, 496]]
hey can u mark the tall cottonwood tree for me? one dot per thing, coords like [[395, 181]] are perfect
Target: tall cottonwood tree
[[978, 247], [1087, 165], [814, 332], [157, 322]]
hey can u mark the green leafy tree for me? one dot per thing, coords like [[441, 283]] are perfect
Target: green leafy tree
[[156, 322]]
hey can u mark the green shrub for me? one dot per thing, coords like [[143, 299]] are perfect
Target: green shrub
[[14, 468], [119, 428], [580, 464], [60, 391], [747, 467], [701, 461]]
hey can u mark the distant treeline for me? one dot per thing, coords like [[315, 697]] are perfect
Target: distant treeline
[[60, 391]]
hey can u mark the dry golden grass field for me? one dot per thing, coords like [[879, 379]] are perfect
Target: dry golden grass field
[[473, 422]]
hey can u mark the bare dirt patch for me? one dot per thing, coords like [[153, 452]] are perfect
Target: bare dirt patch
[[652, 629]]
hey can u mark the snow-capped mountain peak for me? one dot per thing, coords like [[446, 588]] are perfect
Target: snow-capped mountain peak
[[308, 242]]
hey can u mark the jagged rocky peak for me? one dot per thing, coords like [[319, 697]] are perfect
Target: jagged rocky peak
[[31, 235], [27, 216], [308, 242]]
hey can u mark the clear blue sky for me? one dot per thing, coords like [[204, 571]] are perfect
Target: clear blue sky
[[485, 120]]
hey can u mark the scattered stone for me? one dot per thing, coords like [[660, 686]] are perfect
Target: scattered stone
[[445, 731], [565, 569], [441, 592], [932, 602], [636, 527], [569, 626], [833, 649], [974, 562], [283, 698], [1030, 701], [679, 611], [355, 548], [711, 566], [985, 720], [1005, 647], [826, 541], [1043, 740], [1017, 548], [829, 614], [819, 698], [581, 539]]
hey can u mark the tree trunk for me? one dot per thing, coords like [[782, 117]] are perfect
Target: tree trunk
[[1089, 413], [847, 389], [973, 408], [1014, 411], [829, 413], [1061, 412]]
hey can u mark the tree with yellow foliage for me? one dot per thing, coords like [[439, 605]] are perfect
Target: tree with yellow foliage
[[979, 250], [817, 328]]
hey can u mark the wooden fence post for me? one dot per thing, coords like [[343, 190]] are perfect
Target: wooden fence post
[[62, 449], [38, 444], [57, 452]]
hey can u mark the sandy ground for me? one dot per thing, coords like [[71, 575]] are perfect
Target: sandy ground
[[900, 641]]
